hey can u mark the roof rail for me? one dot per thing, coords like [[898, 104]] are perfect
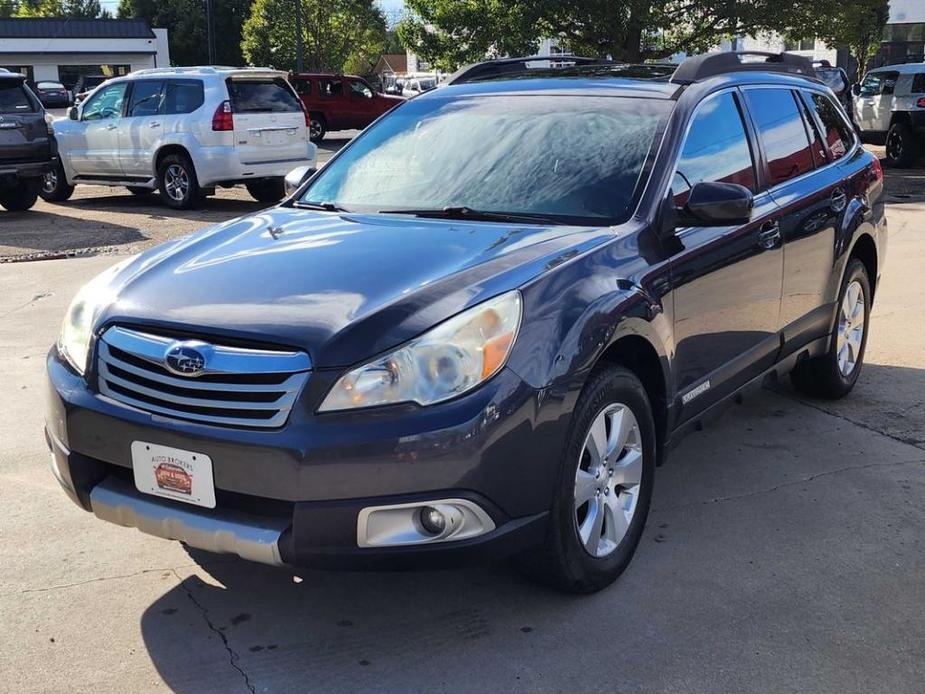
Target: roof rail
[[699, 67], [514, 66]]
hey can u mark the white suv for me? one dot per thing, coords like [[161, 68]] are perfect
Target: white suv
[[184, 131], [889, 108]]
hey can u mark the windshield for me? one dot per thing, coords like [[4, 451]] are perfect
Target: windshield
[[572, 159]]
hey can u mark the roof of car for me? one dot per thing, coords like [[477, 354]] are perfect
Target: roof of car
[[561, 84], [902, 68], [323, 74]]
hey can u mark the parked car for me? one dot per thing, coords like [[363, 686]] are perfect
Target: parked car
[[53, 95], [27, 146], [86, 84], [184, 131], [418, 85], [889, 108], [837, 80], [339, 102], [444, 352]]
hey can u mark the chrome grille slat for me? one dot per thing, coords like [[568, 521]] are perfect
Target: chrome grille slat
[[224, 397]]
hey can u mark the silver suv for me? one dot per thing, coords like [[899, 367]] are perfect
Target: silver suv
[[889, 108], [184, 131]]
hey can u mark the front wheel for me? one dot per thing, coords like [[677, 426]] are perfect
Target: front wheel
[[55, 187], [268, 190], [834, 374], [605, 485]]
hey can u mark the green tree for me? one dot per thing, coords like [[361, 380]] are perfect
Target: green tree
[[81, 9], [185, 21], [337, 35], [857, 25], [39, 8]]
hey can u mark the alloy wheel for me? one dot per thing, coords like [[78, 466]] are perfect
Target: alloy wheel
[[894, 146], [850, 328], [176, 182], [314, 128], [50, 182], [607, 480]]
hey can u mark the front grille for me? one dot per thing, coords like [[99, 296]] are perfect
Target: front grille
[[237, 386]]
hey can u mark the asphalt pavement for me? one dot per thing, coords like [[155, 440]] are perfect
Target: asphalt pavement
[[784, 552]]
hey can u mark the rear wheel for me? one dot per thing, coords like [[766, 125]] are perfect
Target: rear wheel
[[834, 374], [54, 185], [605, 486], [267, 190], [317, 127], [20, 197], [177, 182], [902, 148]]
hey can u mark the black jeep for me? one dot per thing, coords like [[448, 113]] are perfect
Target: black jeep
[[27, 146]]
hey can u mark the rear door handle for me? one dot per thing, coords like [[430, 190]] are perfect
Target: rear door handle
[[111, 126], [839, 200], [155, 124], [769, 235]]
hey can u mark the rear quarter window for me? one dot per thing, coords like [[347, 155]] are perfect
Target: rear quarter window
[[14, 99], [918, 83], [262, 96], [183, 96]]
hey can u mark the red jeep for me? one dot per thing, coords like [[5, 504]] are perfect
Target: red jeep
[[339, 102]]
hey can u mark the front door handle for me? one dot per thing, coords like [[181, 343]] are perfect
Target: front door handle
[[769, 235], [111, 126], [155, 124], [839, 200]]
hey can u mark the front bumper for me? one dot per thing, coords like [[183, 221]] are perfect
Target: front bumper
[[294, 495]]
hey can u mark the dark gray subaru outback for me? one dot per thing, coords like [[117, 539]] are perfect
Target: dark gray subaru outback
[[479, 328]]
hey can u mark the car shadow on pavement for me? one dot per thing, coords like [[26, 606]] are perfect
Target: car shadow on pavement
[[38, 231], [210, 210]]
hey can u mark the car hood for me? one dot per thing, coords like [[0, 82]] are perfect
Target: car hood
[[343, 287]]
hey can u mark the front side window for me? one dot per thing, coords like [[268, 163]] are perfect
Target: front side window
[[879, 83], [567, 159], [835, 129], [146, 98], [360, 89], [106, 103], [183, 96], [13, 98], [782, 133], [716, 149]]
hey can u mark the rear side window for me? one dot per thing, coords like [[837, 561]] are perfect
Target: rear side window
[[146, 98], [716, 149], [13, 98], [183, 96], [782, 133], [835, 130], [262, 96], [918, 83]]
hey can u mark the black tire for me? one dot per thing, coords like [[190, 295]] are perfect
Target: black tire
[[823, 377], [55, 187], [317, 128], [20, 197], [268, 190], [563, 561], [135, 190], [177, 182], [902, 147]]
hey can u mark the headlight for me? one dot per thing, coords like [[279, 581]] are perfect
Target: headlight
[[74, 341], [450, 359]]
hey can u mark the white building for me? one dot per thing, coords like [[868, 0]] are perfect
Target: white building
[[63, 49]]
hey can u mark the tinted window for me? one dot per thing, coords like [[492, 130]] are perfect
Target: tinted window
[[13, 98], [716, 149], [782, 133], [360, 89], [303, 86], [820, 156], [918, 83], [879, 83], [332, 88], [183, 96], [835, 130], [262, 96], [106, 103], [146, 98], [572, 159]]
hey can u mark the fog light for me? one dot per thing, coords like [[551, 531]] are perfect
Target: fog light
[[432, 520]]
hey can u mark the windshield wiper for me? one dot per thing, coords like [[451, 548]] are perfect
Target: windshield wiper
[[463, 212], [326, 206]]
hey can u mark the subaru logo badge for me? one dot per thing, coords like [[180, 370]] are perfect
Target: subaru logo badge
[[185, 358]]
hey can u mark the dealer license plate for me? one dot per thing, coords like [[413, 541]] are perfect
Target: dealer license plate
[[173, 473]]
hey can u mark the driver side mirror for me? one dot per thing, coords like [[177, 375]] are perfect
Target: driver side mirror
[[73, 114], [717, 205], [298, 176], [856, 89]]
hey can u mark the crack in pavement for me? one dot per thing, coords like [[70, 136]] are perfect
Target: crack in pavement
[[803, 480], [232, 655]]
